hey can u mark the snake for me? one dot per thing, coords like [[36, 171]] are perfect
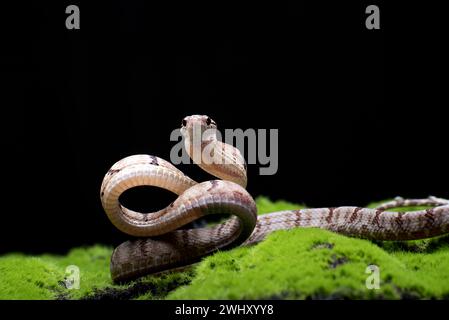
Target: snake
[[160, 240]]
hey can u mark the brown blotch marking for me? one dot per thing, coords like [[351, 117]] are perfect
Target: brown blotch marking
[[399, 221], [238, 194], [256, 229], [213, 185], [330, 215], [154, 161], [430, 219], [267, 220], [376, 220], [234, 155], [298, 218], [220, 228], [354, 214], [113, 171]]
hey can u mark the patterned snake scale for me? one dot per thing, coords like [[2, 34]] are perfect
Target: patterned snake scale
[[159, 245]]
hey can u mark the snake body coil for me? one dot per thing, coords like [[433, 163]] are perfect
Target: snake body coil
[[161, 246]]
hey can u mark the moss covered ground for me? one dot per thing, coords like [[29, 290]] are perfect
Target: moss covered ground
[[293, 264]]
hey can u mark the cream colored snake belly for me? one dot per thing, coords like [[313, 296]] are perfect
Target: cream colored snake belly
[[160, 246]]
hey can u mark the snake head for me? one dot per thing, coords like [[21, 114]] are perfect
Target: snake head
[[198, 124]]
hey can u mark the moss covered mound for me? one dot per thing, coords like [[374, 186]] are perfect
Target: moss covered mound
[[294, 264]]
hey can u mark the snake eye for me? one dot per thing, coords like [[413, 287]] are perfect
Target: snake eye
[[184, 122], [208, 121]]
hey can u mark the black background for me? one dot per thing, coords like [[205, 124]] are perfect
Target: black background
[[74, 102]]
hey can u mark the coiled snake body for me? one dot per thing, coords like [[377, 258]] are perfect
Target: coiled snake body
[[161, 246]]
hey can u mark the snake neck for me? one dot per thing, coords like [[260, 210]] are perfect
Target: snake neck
[[218, 159]]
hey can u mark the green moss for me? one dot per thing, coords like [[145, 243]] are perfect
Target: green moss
[[45, 277], [312, 263], [28, 277], [294, 264], [22, 274]]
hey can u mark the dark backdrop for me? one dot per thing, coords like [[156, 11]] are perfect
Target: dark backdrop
[[75, 102]]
